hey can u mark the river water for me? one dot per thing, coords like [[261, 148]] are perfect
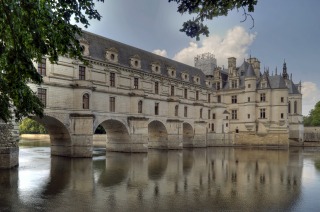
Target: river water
[[205, 179]]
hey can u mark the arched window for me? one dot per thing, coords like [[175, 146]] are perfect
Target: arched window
[[176, 110], [85, 101], [140, 106], [295, 107], [289, 107]]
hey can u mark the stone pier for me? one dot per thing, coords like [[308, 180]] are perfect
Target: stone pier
[[9, 149]]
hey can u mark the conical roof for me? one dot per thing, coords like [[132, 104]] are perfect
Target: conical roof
[[250, 72]]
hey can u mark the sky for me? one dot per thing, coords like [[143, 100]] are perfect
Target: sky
[[286, 30]]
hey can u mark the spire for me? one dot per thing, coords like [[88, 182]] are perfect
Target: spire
[[276, 70], [284, 72]]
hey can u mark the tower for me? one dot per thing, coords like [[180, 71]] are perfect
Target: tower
[[206, 62]]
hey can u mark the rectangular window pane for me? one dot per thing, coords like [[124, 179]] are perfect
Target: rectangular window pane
[[156, 87], [82, 73], [186, 93], [112, 79], [136, 83], [156, 109], [42, 67], [42, 95], [112, 104]]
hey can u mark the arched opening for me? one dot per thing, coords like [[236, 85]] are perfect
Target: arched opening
[[85, 101], [187, 138], [117, 136], [140, 106], [158, 135]]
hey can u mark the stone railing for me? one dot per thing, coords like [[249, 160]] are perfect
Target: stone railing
[[312, 134]]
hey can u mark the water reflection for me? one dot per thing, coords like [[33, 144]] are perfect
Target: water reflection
[[192, 179]]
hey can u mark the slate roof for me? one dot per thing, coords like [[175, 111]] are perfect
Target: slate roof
[[99, 44]]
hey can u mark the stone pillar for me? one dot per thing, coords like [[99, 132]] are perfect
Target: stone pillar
[[200, 134], [81, 133], [138, 133], [9, 149], [175, 133]]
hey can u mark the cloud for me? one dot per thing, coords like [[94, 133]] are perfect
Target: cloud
[[234, 44], [160, 52], [310, 96]]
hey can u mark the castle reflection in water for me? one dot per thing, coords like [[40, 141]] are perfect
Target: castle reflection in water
[[190, 179]]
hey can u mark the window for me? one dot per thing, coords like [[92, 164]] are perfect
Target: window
[[289, 107], [213, 116], [209, 98], [295, 107], [282, 99], [112, 56], [249, 85], [156, 109], [234, 114], [136, 83], [42, 95], [234, 84], [227, 124], [112, 104], [172, 90], [82, 73], [212, 127], [219, 99], [112, 79], [42, 67], [248, 116], [263, 113], [85, 101], [282, 115], [209, 114], [140, 106], [197, 95], [185, 112], [176, 110], [186, 93], [263, 85], [262, 97], [234, 99], [136, 63], [218, 86], [201, 113], [249, 99], [156, 87]]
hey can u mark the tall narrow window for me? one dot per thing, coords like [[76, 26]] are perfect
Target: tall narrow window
[[42, 95], [186, 93], [82, 73], [234, 114], [219, 99], [213, 116], [282, 99], [209, 98], [185, 112], [262, 97], [156, 109], [218, 85], [140, 106], [282, 115], [197, 95], [212, 127], [112, 101], [263, 113], [112, 79], [209, 114], [136, 83], [289, 107], [156, 87], [234, 99], [248, 99], [172, 90], [201, 113], [176, 110], [85, 101], [295, 107], [42, 67]]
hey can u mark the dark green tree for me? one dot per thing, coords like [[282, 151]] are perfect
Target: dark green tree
[[209, 9], [313, 119], [29, 126], [31, 29]]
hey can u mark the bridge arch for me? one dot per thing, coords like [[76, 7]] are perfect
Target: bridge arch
[[157, 135], [188, 134], [117, 135], [59, 135]]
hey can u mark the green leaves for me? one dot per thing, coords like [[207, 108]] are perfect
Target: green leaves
[[207, 10], [313, 119], [31, 29]]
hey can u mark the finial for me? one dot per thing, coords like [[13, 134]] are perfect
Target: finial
[[276, 70]]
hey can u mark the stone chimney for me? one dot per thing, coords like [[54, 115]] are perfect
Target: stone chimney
[[255, 64]]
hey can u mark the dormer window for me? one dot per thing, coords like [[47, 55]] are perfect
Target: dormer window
[[196, 79], [135, 62], [84, 46], [185, 76], [171, 72], [112, 55], [155, 67]]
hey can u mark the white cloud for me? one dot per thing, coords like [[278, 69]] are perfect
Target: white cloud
[[160, 52], [234, 44], [310, 96]]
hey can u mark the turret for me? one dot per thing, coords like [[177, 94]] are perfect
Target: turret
[[255, 64]]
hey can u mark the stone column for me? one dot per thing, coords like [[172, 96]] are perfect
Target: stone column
[[81, 133], [9, 149], [138, 133], [175, 133], [200, 134]]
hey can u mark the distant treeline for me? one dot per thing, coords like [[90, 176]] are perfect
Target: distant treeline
[[313, 119]]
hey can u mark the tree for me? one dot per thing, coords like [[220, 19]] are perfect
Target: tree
[[30, 30], [207, 10], [29, 126], [313, 119]]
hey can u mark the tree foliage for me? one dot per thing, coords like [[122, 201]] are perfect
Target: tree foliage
[[207, 10], [29, 126], [313, 119], [30, 30]]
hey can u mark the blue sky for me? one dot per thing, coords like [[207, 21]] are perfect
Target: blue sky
[[286, 29]]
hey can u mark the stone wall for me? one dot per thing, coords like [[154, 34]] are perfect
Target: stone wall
[[312, 134], [9, 150]]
